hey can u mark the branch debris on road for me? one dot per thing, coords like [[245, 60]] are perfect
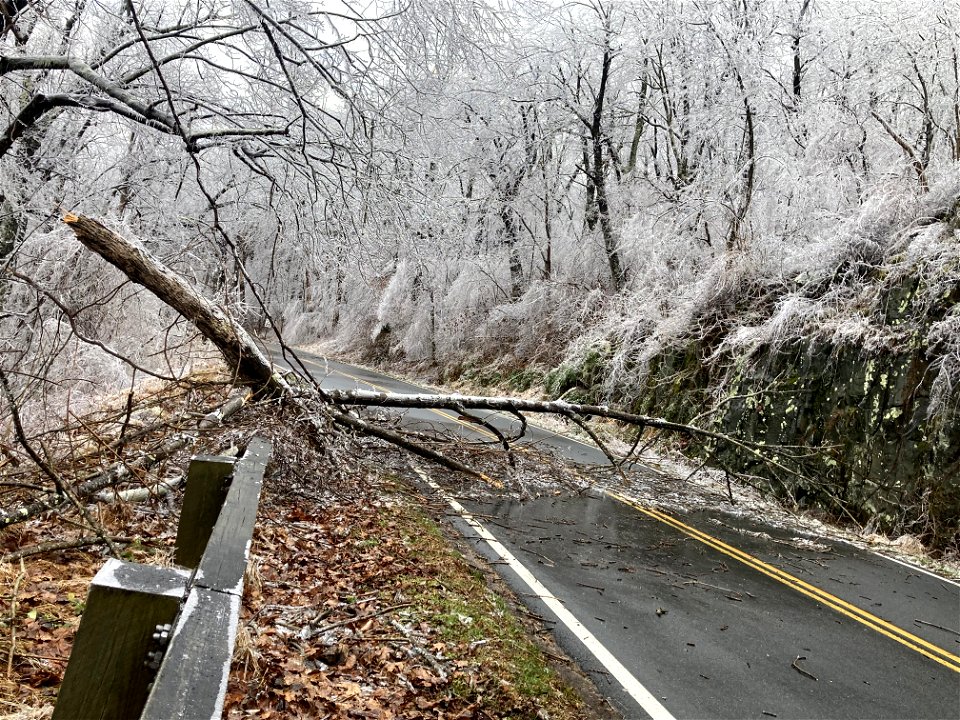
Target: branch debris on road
[[796, 666]]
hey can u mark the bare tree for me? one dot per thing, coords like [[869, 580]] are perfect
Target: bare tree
[[590, 90]]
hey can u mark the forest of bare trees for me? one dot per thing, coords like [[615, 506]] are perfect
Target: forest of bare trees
[[715, 244], [445, 182]]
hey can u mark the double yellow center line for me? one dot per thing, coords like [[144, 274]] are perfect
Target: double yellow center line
[[905, 638], [938, 654]]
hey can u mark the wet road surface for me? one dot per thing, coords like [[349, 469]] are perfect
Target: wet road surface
[[712, 614], [713, 637]]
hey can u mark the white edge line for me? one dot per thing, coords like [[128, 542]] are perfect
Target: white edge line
[[917, 568], [630, 684]]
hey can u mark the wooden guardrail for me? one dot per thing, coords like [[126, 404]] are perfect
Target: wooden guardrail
[[156, 643]]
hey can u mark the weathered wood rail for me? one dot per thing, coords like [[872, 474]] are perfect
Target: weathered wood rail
[[156, 643]]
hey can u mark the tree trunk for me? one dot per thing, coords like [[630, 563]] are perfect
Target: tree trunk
[[589, 202], [602, 207], [239, 350], [797, 60]]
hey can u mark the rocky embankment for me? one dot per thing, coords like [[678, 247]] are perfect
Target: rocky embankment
[[860, 369]]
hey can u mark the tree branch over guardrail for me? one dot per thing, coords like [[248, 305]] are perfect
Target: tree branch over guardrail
[[124, 470]]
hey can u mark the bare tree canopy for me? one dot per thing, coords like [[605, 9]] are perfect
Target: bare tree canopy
[[643, 204]]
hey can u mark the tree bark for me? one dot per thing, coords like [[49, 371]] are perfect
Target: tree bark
[[601, 210], [239, 350], [9, 9], [29, 115], [797, 60]]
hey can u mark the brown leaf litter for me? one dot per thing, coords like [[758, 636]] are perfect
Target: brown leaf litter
[[355, 605]]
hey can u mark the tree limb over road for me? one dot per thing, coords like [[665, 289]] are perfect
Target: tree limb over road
[[250, 365]]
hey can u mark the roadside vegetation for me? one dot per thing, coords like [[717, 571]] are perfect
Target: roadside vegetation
[[355, 601]]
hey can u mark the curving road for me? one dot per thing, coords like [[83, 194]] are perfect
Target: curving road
[[708, 614]]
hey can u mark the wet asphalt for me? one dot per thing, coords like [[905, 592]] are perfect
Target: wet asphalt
[[768, 628], [711, 637]]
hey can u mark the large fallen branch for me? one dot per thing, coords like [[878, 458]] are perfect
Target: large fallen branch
[[511, 405], [574, 411], [237, 347]]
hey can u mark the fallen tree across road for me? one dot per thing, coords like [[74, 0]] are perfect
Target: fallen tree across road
[[324, 409], [517, 406]]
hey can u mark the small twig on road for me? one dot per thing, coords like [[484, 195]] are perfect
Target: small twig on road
[[544, 558], [795, 665], [726, 591], [938, 627]]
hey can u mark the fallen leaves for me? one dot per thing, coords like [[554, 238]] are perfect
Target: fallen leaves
[[338, 627], [41, 622], [354, 606]]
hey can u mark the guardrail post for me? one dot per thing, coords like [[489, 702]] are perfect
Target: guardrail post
[[202, 500], [192, 681], [107, 676]]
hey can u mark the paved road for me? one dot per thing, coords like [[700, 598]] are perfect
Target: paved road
[[711, 615], [335, 375], [712, 636]]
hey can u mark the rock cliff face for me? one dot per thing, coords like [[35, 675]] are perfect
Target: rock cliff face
[[875, 413], [877, 450], [878, 454]]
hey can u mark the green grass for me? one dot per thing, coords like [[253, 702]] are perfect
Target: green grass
[[515, 679]]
